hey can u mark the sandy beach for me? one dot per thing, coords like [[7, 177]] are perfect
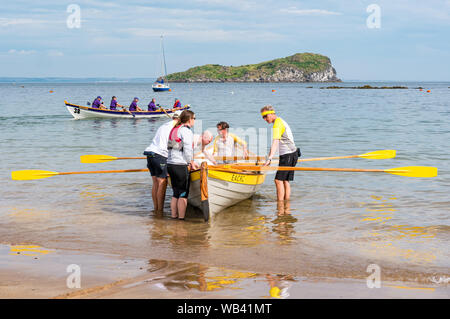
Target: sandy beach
[[28, 271]]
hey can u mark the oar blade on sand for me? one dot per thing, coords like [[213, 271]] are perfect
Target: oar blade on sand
[[382, 154], [90, 159], [31, 174], [414, 171]]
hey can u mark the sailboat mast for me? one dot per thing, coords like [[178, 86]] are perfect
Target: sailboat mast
[[164, 58]]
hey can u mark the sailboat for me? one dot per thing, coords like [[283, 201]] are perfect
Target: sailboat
[[161, 83]]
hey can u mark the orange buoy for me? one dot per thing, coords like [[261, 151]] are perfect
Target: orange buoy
[[51, 91], [428, 91], [170, 90], [273, 90]]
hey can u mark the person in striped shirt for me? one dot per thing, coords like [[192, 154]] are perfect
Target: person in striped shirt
[[226, 143]]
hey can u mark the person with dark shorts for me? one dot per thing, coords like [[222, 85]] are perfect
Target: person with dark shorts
[[157, 154], [283, 141], [181, 156]]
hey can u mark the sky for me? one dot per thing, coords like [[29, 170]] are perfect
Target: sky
[[366, 40]]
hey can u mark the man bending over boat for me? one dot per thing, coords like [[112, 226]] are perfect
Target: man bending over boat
[[133, 106], [157, 162], [225, 144], [283, 142], [200, 143], [97, 104]]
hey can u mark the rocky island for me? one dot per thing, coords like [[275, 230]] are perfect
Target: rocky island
[[300, 67]]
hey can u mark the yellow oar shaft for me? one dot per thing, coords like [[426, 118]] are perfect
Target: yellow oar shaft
[[284, 168], [326, 158], [105, 172]]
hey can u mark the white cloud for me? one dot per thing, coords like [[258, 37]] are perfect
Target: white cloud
[[207, 35], [21, 52], [295, 10], [55, 53], [5, 22]]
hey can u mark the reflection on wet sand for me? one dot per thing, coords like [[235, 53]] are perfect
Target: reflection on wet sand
[[284, 223], [405, 237], [29, 250], [279, 285], [187, 276]]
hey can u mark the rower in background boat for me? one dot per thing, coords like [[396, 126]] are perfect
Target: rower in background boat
[[157, 154], [177, 104], [98, 104], [152, 105], [226, 143], [133, 106], [283, 142], [113, 106]]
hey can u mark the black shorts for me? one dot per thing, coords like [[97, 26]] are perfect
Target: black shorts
[[157, 164], [179, 178], [287, 160]]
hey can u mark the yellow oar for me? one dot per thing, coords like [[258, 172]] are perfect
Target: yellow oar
[[381, 154], [89, 159], [170, 117], [410, 171], [38, 174]]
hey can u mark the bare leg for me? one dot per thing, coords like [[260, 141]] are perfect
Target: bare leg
[[155, 186], [174, 207], [287, 190], [280, 189], [182, 204], [161, 192]]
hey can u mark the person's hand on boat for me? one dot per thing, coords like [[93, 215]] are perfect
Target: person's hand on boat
[[194, 166], [267, 163]]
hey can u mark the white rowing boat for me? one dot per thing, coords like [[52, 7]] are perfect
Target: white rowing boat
[[213, 190], [84, 112]]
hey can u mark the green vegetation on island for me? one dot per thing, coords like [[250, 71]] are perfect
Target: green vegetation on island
[[300, 67]]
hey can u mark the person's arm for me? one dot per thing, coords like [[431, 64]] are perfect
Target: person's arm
[[273, 149], [278, 130], [188, 146], [208, 156], [241, 142]]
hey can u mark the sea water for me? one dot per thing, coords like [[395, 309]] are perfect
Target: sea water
[[335, 225]]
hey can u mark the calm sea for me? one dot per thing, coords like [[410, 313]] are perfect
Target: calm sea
[[335, 225]]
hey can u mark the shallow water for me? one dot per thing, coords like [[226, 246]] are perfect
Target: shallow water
[[336, 224]]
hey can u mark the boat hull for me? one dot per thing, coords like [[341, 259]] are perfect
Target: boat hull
[[84, 112], [160, 87], [156, 89], [225, 189]]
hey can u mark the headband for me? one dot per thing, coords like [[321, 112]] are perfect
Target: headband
[[267, 112]]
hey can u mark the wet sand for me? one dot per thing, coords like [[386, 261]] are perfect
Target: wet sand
[[28, 271]]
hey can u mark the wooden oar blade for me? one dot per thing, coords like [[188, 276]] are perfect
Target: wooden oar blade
[[382, 154], [31, 174], [414, 171], [90, 159]]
